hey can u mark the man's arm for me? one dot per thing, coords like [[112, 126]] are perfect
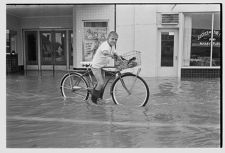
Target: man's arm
[[106, 53]]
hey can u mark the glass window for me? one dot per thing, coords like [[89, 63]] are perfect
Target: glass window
[[11, 41], [201, 48], [200, 39], [7, 42], [216, 41]]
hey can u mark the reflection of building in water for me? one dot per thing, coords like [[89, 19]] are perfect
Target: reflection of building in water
[[175, 40]]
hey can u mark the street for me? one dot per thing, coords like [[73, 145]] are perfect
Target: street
[[180, 114]]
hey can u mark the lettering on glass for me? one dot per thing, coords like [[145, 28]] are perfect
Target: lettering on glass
[[204, 38]]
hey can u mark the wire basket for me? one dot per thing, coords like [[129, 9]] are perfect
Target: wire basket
[[128, 60]]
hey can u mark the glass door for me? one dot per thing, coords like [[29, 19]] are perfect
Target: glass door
[[53, 48], [31, 47], [59, 48], [168, 54], [46, 48]]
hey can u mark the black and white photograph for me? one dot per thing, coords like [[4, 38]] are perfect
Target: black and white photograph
[[113, 75]]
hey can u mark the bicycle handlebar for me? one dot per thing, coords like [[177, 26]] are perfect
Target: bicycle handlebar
[[86, 64]]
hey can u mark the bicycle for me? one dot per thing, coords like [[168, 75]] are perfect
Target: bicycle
[[126, 88]]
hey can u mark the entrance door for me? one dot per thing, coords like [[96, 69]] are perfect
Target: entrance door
[[31, 48], [53, 49], [168, 53]]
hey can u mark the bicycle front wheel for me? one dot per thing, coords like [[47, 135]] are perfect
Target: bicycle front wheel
[[74, 85], [130, 90]]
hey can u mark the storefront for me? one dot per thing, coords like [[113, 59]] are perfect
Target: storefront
[[48, 49], [202, 44], [176, 40], [43, 36]]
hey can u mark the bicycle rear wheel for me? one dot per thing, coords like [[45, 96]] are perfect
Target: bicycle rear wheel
[[130, 90], [73, 85]]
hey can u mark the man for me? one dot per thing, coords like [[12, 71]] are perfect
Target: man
[[101, 58]]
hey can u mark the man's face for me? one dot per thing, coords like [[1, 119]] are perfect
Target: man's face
[[112, 40]]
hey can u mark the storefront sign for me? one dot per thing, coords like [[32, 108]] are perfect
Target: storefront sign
[[204, 38], [208, 33], [216, 44]]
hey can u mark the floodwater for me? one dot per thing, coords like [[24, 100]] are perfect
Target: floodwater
[[180, 114]]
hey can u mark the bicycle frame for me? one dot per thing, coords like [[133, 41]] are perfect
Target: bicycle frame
[[87, 74], [113, 74]]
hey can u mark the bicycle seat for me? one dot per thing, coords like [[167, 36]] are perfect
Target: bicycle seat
[[86, 64], [110, 69]]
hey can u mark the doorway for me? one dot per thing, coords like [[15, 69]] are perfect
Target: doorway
[[168, 53], [31, 48]]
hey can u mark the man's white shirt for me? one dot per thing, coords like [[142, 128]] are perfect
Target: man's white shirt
[[99, 59]]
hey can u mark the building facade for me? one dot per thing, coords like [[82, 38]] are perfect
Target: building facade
[[175, 39]]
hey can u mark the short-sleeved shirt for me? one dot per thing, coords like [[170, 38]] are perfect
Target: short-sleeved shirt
[[99, 59]]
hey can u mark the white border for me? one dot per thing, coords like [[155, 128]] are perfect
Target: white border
[[3, 148]]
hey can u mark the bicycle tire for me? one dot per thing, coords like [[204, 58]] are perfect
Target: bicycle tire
[[71, 89], [130, 99]]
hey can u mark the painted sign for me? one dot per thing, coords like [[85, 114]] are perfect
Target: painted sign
[[202, 38], [92, 36]]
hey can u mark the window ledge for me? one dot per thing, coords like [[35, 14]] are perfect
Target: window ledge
[[201, 67]]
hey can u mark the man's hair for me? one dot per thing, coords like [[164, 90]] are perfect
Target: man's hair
[[112, 33]]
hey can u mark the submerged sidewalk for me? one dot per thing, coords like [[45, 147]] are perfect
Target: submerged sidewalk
[[180, 113]]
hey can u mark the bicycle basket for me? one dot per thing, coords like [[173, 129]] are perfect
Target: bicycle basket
[[128, 60]]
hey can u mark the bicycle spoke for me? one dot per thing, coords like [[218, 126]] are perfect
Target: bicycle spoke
[[124, 96], [82, 95], [67, 88], [138, 92], [74, 86]]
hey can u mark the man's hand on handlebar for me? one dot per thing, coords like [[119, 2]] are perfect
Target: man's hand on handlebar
[[117, 57]]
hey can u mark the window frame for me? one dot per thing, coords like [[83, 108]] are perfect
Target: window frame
[[211, 42]]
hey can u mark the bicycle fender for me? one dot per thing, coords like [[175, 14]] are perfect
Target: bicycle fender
[[126, 73], [73, 73]]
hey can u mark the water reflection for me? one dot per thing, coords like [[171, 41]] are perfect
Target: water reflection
[[180, 113]]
